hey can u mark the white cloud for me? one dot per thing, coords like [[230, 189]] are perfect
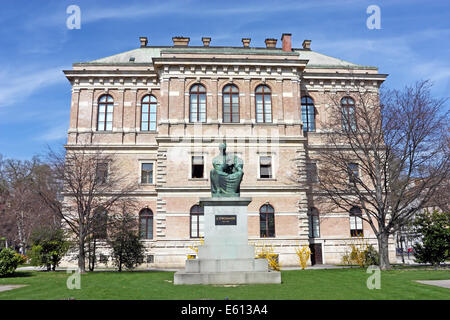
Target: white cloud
[[90, 14], [16, 86], [54, 133]]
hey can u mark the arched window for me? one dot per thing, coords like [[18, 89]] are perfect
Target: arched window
[[105, 113], [308, 114], [314, 223], [146, 223], [197, 222], [197, 103], [263, 98], [99, 224], [356, 222], [230, 98], [148, 113], [348, 113], [267, 221]]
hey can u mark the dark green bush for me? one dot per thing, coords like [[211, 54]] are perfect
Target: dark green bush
[[434, 231], [9, 260], [127, 249], [371, 256], [48, 247]]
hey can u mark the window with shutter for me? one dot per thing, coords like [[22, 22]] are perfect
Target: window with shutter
[[197, 167], [265, 165]]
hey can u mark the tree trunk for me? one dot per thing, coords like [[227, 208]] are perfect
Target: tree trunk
[[92, 256], [81, 256], [383, 250], [20, 233]]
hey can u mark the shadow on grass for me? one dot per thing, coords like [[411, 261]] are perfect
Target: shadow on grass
[[18, 274]]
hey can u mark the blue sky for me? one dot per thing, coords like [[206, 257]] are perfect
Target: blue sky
[[35, 46]]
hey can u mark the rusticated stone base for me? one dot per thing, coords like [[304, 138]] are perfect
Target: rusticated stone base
[[233, 277]]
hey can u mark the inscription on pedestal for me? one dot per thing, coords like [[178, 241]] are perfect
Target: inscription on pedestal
[[225, 220]]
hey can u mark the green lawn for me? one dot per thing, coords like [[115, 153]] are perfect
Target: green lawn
[[297, 284]]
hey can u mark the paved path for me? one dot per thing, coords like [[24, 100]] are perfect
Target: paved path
[[439, 283], [10, 287]]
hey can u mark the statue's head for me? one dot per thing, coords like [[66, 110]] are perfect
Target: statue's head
[[222, 147]]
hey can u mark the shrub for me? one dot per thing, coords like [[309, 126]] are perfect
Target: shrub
[[361, 254], [9, 260], [303, 255], [371, 256], [127, 249], [48, 247], [266, 252], [195, 248]]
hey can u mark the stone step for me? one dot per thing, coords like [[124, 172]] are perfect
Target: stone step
[[226, 265], [226, 251], [238, 277]]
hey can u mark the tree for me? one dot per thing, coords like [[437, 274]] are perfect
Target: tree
[[49, 245], [127, 249], [434, 231], [90, 182], [386, 154], [98, 233], [22, 209]]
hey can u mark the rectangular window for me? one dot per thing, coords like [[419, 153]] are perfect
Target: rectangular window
[[308, 118], [268, 108], [147, 173], [101, 174], [348, 118], [146, 226], [265, 167], [267, 225], [356, 226], [311, 172], [197, 225], [314, 226], [259, 108], [197, 167], [353, 172]]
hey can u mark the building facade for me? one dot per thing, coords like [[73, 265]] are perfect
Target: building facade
[[163, 110]]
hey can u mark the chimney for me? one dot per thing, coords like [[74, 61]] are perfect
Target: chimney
[[206, 41], [143, 41], [271, 43], [179, 41], [286, 42], [246, 42], [306, 44]]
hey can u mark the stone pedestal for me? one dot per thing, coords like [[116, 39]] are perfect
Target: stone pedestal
[[226, 257]]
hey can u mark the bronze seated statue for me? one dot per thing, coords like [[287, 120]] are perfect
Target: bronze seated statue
[[227, 174]]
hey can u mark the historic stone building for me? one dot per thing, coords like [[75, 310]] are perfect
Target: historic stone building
[[164, 110]]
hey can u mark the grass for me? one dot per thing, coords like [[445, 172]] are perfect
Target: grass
[[297, 284]]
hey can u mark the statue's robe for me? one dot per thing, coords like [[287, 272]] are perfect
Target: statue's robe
[[226, 176]]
